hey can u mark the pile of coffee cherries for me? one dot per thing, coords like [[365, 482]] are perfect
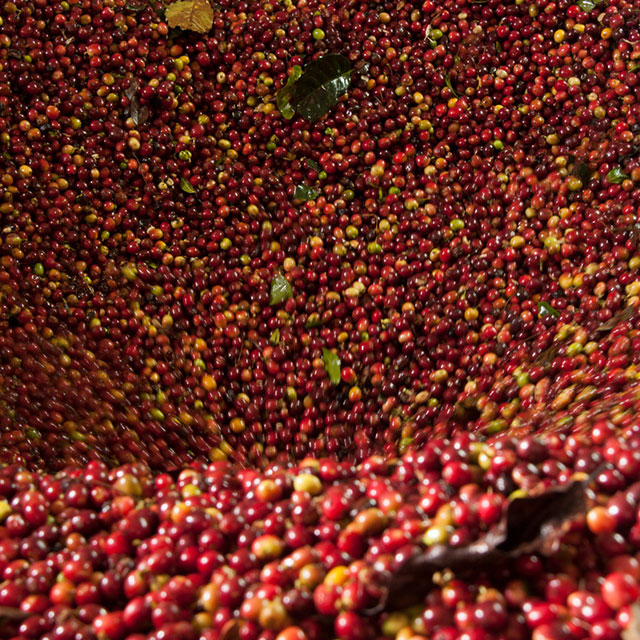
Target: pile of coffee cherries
[[252, 365]]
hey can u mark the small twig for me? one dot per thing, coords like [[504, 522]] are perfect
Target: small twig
[[12, 613]]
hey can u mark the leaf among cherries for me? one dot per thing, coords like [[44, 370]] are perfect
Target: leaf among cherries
[[192, 15]]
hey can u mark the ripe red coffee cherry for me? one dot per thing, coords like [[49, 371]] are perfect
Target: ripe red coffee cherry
[[619, 589]]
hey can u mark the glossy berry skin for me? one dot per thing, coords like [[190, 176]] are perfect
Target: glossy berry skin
[[110, 626], [619, 589], [350, 626]]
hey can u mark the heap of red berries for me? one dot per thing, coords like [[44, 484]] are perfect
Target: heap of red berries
[[304, 551]]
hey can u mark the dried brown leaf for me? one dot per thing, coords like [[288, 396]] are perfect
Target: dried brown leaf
[[547, 356], [12, 613], [131, 91], [634, 236], [194, 15], [622, 316], [138, 114], [530, 524], [536, 523]]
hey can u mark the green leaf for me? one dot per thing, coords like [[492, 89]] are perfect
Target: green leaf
[[137, 6], [312, 164], [186, 186], [588, 5], [280, 290], [283, 97], [275, 337], [546, 309], [332, 365], [305, 193], [319, 88], [447, 81], [617, 175]]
